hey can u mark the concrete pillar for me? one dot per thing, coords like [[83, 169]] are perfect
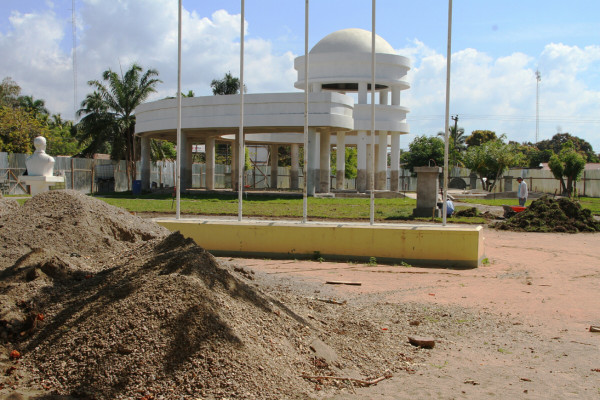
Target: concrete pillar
[[381, 170], [234, 165], [361, 162], [362, 93], [508, 183], [145, 173], [186, 163], [325, 163], [428, 185], [209, 171], [274, 161], [294, 180], [383, 97], [473, 181], [340, 173], [395, 96], [370, 156], [395, 161], [313, 165]]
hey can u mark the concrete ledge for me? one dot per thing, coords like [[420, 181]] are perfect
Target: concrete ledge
[[430, 245]]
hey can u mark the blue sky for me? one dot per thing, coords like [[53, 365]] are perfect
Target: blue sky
[[496, 46]]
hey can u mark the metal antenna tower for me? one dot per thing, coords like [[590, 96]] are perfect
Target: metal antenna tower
[[538, 78], [74, 31]]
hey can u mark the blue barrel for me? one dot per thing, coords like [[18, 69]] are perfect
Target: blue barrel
[[136, 188]]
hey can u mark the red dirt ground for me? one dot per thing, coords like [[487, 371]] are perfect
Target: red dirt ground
[[546, 285]]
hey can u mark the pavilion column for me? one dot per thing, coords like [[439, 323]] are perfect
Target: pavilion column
[[361, 146], [186, 162], [209, 149], [274, 161], [395, 95], [294, 181], [312, 169], [395, 161], [145, 161], [381, 171], [234, 165], [370, 155], [325, 163], [361, 162], [340, 174]]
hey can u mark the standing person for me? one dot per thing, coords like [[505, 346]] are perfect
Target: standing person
[[522, 191]]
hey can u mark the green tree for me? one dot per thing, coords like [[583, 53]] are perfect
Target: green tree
[[162, 150], [478, 137], [109, 112], [18, 129], [350, 163], [535, 157], [37, 108], [567, 164], [491, 159], [560, 139], [424, 151], [228, 85], [9, 93], [62, 139], [456, 146]]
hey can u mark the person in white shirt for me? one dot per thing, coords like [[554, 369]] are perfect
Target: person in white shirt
[[522, 191]]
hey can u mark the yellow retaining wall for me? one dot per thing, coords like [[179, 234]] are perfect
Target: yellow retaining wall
[[449, 246]]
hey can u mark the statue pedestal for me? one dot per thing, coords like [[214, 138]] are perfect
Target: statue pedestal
[[39, 184]]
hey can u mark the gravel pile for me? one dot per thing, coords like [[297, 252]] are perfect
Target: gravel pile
[[552, 215], [101, 304], [7, 205]]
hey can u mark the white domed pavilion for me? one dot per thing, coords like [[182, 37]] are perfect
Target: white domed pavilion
[[339, 65]]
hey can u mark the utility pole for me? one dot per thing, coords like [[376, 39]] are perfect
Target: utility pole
[[538, 78], [455, 119]]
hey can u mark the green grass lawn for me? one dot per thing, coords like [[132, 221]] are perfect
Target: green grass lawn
[[593, 203], [494, 202], [274, 207]]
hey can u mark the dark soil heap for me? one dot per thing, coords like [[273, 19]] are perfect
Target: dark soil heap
[[101, 304], [550, 215]]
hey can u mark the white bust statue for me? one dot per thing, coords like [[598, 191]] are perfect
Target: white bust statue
[[39, 163]]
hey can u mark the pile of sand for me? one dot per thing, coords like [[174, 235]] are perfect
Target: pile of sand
[[103, 304], [552, 215], [7, 205]]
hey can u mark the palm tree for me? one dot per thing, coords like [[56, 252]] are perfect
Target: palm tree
[[37, 108], [457, 138], [228, 85], [109, 111]]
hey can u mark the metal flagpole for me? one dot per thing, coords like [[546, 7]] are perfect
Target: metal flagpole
[[305, 157], [178, 164], [241, 150], [372, 202], [446, 130]]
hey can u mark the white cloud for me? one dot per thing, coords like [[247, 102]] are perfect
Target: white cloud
[[487, 92], [500, 93], [133, 31]]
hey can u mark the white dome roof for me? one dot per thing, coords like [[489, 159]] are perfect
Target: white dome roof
[[351, 40]]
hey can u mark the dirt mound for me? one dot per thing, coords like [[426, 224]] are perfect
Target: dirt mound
[[552, 215], [104, 305], [7, 205], [71, 223], [469, 212]]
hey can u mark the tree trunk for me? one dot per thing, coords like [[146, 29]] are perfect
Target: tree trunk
[[565, 192]]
